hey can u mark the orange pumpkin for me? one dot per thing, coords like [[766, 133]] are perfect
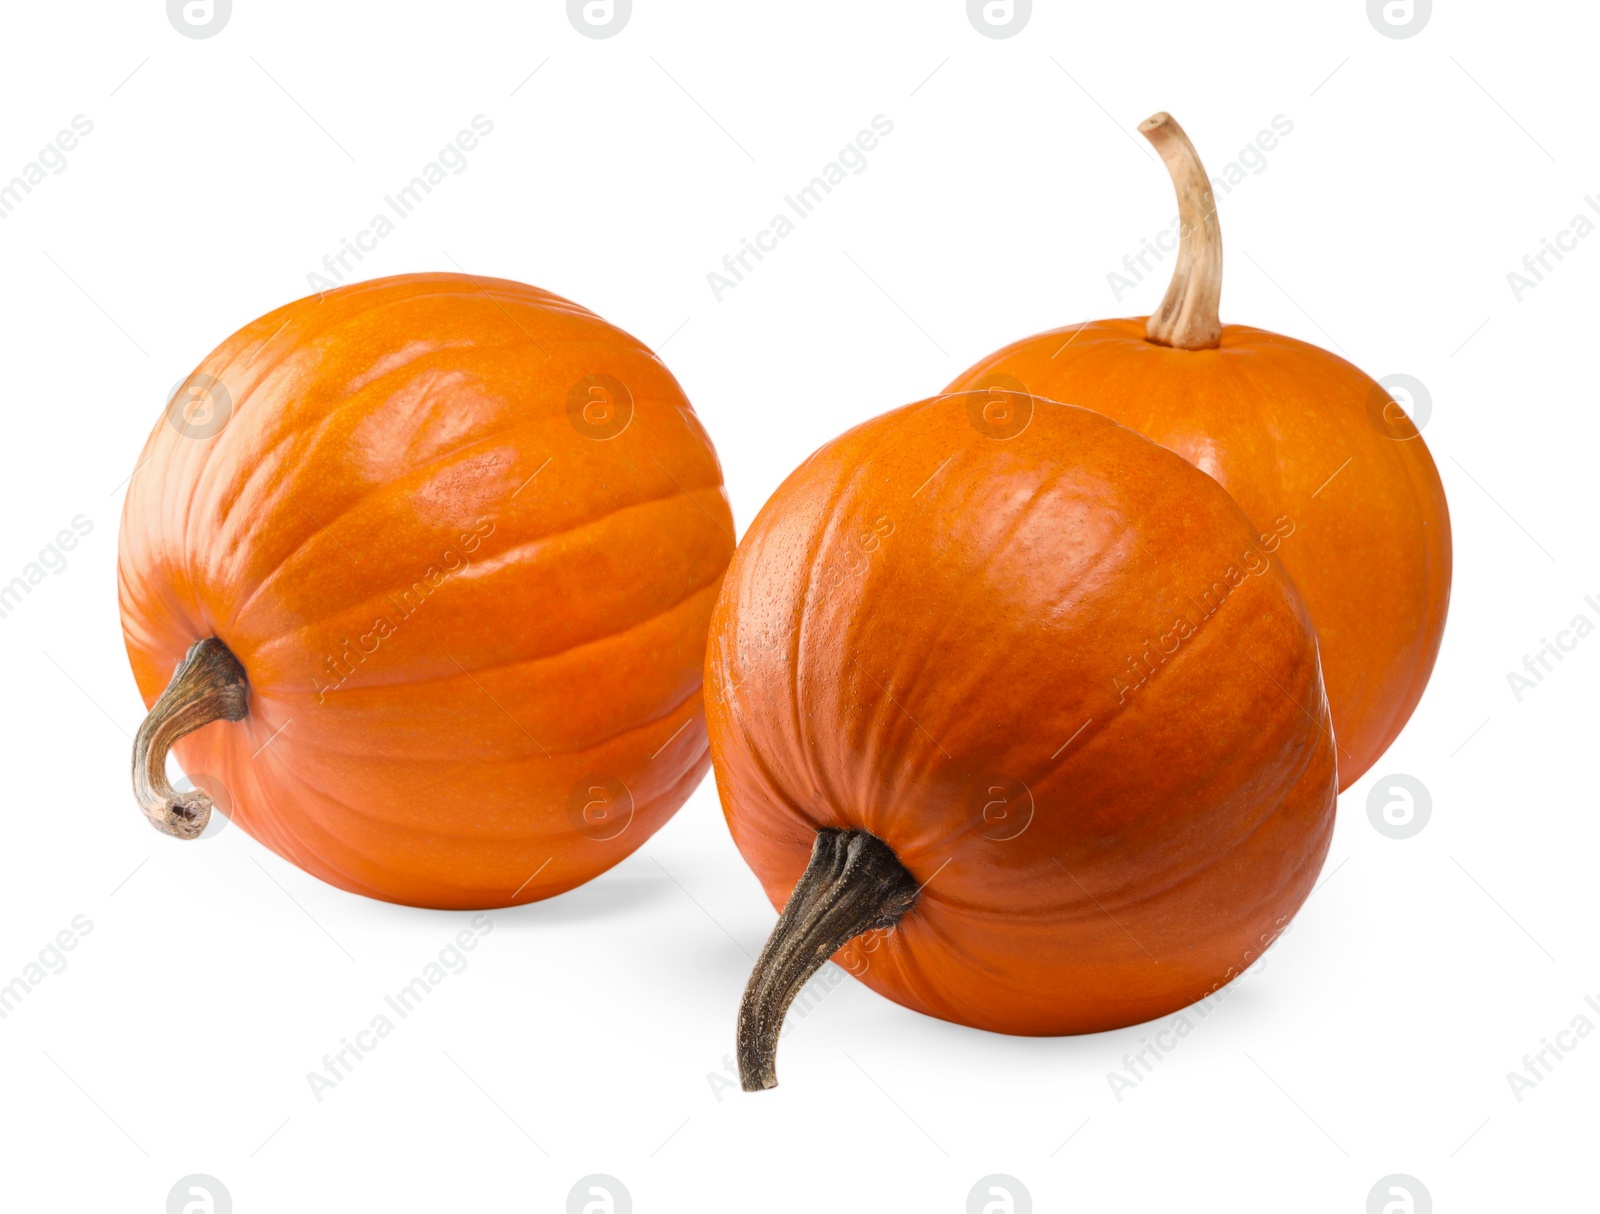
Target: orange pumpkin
[[1030, 693], [1298, 436], [427, 563]]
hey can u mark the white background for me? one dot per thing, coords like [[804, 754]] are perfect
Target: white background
[[583, 1038]]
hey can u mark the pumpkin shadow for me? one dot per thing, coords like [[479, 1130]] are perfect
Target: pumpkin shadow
[[881, 1015], [619, 893]]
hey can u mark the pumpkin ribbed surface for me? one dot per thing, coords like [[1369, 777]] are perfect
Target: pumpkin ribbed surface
[[463, 603]]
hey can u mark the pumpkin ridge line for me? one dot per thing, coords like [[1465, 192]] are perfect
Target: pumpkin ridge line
[[845, 491], [609, 515], [355, 503], [263, 459], [976, 583], [635, 626], [367, 889], [508, 666], [301, 742], [261, 469], [376, 492]]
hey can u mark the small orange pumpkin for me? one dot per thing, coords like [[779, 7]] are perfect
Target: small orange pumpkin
[[1299, 437], [419, 571], [1030, 700]]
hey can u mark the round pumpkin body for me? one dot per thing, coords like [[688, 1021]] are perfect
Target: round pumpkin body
[[464, 538], [1312, 450], [1053, 667]]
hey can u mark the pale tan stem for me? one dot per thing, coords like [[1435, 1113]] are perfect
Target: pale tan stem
[[1187, 318], [208, 685]]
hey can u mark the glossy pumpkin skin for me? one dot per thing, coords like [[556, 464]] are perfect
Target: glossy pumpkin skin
[[937, 637], [1292, 432], [473, 626]]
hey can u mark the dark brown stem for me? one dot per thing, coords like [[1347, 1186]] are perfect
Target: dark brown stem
[[854, 884], [208, 685], [1188, 316]]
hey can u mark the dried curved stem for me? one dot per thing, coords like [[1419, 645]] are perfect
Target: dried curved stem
[[208, 685], [1187, 317], [853, 884]]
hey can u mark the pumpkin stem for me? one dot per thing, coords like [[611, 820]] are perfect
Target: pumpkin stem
[[853, 884], [208, 685], [1187, 317]]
